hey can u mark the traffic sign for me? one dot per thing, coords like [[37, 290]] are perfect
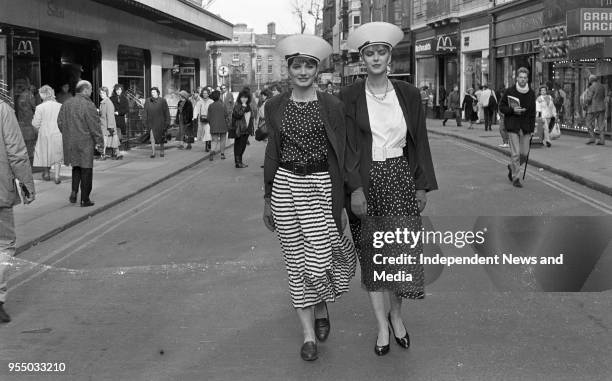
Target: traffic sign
[[223, 71]]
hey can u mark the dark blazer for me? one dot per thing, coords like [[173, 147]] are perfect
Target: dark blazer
[[332, 115], [514, 122], [216, 118], [359, 148]]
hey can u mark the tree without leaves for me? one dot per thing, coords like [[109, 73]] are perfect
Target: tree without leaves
[[304, 9]]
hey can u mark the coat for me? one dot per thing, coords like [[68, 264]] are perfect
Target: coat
[[14, 160], [79, 123], [332, 115], [239, 124], [359, 151], [122, 107], [216, 118], [107, 123], [515, 122], [49, 147], [228, 102], [595, 98], [453, 100], [156, 117]]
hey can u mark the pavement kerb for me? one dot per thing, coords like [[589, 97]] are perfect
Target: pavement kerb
[[35, 241], [561, 172]]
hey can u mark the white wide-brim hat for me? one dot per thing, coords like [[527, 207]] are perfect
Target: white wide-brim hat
[[304, 45], [372, 33]]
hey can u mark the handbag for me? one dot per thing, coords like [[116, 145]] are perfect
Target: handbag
[[556, 132], [203, 119], [261, 133]]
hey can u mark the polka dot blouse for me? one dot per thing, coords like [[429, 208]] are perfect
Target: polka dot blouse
[[303, 136]]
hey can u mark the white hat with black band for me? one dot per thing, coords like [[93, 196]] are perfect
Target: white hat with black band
[[304, 45], [373, 33]]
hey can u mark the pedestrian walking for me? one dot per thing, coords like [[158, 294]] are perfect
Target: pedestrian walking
[[184, 119], [108, 125], [479, 108], [519, 108], [489, 106], [156, 119], [48, 152], [389, 167], [122, 108], [64, 93], [470, 107], [26, 105], [228, 102], [218, 126], [243, 119], [304, 192], [14, 164], [502, 125], [200, 114], [453, 104], [79, 123], [546, 110], [596, 108]]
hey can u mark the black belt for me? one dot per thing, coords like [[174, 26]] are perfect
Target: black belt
[[303, 169]]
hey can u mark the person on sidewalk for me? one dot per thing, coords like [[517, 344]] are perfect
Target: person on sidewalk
[[184, 119], [107, 123], [49, 152], [469, 106], [596, 108], [502, 125], [389, 169], [243, 119], [546, 110], [218, 127], [122, 108], [228, 102], [200, 115], [14, 164], [79, 123], [489, 106], [519, 121], [156, 120], [304, 189], [453, 103]]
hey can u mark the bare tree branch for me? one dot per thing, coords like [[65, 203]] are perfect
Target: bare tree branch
[[299, 9]]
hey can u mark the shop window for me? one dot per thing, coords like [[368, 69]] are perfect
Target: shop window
[[236, 57], [132, 68]]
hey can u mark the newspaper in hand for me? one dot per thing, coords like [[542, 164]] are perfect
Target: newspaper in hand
[[513, 102]]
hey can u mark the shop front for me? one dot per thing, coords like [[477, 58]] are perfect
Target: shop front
[[576, 43], [475, 58], [515, 42], [401, 60]]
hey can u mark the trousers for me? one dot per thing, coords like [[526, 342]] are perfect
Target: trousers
[[7, 247], [82, 177]]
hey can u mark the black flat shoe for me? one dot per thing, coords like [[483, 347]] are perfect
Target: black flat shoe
[[509, 173], [403, 342], [87, 203], [72, 198], [309, 351], [322, 326], [4, 317]]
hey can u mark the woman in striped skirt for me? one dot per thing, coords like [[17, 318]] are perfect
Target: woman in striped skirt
[[389, 170], [304, 182]]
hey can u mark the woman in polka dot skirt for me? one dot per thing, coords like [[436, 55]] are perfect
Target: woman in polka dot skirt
[[304, 184], [389, 170]]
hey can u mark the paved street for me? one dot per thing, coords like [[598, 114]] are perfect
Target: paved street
[[183, 282]]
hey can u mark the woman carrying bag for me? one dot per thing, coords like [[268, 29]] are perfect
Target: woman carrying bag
[[243, 119]]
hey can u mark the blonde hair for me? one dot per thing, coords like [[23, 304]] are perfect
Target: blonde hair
[[105, 89], [46, 92]]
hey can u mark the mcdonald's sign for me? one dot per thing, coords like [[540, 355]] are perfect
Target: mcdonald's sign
[[25, 47], [446, 44]]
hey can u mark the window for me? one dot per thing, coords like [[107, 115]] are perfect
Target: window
[[236, 39], [132, 64], [269, 58], [356, 20], [258, 67], [269, 68], [236, 57], [258, 57]]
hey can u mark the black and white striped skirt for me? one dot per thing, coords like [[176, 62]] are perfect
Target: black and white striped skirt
[[320, 261]]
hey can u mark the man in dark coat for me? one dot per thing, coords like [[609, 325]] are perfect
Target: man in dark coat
[[79, 123], [228, 102], [518, 106], [14, 164], [596, 109]]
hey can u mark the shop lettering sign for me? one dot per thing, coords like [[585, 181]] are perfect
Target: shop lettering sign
[[446, 44], [25, 47], [589, 22], [423, 47], [53, 9], [500, 51]]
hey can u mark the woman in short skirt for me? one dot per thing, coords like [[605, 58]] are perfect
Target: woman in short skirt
[[304, 184], [389, 169]]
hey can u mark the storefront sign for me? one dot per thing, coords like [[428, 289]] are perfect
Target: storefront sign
[[500, 51], [589, 22], [25, 46], [423, 47], [446, 44]]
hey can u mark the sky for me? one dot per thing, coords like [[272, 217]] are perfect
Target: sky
[[258, 13]]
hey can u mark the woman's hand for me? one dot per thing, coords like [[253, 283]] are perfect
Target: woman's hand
[[267, 215], [359, 205], [421, 197]]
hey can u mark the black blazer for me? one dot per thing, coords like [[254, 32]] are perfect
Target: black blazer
[[359, 147], [332, 115]]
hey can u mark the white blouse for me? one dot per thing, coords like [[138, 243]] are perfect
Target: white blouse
[[387, 124]]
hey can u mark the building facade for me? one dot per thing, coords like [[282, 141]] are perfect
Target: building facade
[[248, 59]]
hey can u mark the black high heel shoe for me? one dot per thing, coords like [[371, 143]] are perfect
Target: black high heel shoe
[[403, 342], [322, 326]]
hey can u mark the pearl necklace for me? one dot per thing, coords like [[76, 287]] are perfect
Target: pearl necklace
[[378, 98], [297, 102]]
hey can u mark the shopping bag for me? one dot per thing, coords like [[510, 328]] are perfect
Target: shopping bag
[[556, 132]]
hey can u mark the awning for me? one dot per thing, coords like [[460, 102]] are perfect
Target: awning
[[179, 14]]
